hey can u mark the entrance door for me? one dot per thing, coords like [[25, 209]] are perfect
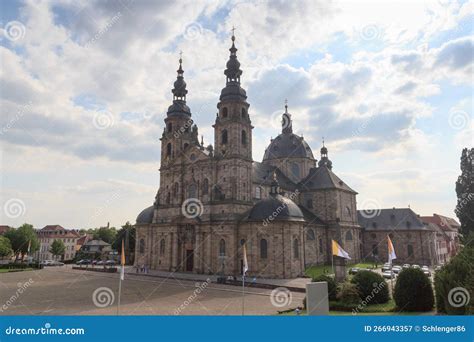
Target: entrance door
[[189, 260]]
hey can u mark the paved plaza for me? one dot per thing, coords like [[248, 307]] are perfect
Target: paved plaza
[[63, 291]]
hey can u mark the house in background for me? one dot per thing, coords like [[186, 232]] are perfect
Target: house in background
[[48, 234], [447, 235], [4, 229], [96, 249]]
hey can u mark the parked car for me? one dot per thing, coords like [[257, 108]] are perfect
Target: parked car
[[354, 270], [416, 266], [100, 262], [426, 271], [406, 266], [47, 262], [83, 262], [437, 267], [388, 274], [386, 267], [110, 262], [57, 263], [396, 269]]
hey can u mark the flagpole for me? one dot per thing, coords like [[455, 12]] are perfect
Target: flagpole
[[120, 292], [243, 293], [122, 275], [332, 264]]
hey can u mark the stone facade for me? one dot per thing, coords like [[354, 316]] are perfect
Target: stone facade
[[212, 200]]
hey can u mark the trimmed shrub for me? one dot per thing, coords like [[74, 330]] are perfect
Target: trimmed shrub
[[413, 291], [457, 278], [332, 285], [348, 294], [372, 287]]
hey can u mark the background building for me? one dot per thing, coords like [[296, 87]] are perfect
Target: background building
[[48, 234]]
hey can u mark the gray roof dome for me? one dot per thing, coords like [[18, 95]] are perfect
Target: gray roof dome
[[276, 208], [146, 216], [288, 145]]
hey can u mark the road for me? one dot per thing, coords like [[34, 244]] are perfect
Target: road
[[63, 291]]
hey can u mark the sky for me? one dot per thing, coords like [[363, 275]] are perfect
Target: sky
[[85, 85]]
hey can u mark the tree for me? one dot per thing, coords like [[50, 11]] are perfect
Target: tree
[[22, 238], [413, 291], [5, 247], [127, 234], [465, 192], [57, 248], [105, 234]]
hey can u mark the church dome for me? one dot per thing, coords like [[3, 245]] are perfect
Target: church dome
[[278, 208], [288, 145], [146, 216]]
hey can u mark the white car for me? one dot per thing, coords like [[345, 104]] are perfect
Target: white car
[[396, 269], [386, 267], [388, 274], [415, 266]]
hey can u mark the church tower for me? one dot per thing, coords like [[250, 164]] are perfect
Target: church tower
[[233, 128], [180, 131], [233, 135]]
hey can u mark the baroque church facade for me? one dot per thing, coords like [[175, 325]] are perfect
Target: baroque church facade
[[213, 200]]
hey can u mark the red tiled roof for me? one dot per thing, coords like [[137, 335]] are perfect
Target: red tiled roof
[[4, 229], [445, 223]]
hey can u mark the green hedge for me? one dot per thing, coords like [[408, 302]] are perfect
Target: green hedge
[[413, 291], [372, 287], [18, 266], [332, 285], [457, 278]]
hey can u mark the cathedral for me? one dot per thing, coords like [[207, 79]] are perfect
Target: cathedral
[[212, 200]]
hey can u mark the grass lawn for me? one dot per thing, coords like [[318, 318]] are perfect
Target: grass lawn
[[6, 270], [318, 270]]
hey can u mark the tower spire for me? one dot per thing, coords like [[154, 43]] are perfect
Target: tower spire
[[324, 158], [232, 70], [286, 123], [179, 91]]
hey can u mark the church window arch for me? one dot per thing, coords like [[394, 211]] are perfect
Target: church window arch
[[192, 191], [170, 127], [296, 250], [142, 246], [222, 247], [410, 250], [168, 150], [321, 250], [224, 137], [225, 112], [349, 235], [168, 198], [162, 247], [263, 249], [295, 170], [244, 137], [310, 235], [244, 113]]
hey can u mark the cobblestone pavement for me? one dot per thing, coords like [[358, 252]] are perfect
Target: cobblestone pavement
[[63, 291]]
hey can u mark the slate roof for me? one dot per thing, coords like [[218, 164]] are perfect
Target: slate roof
[[391, 219], [309, 217], [262, 175], [288, 145], [146, 215], [276, 206], [323, 178]]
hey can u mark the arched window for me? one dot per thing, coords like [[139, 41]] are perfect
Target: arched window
[[205, 186], [170, 127], [410, 250], [244, 113], [321, 251], [295, 170], [224, 112], [263, 249], [349, 235], [168, 198], [175, 189], [296, 250], [310, 235], [192, 191], [244, 137], [142, 246], [222, 247], [168, 150], [162, 247], [348, 212], [224, 137], [258, 192]]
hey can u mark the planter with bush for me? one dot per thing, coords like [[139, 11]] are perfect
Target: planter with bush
[[413, 291]]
